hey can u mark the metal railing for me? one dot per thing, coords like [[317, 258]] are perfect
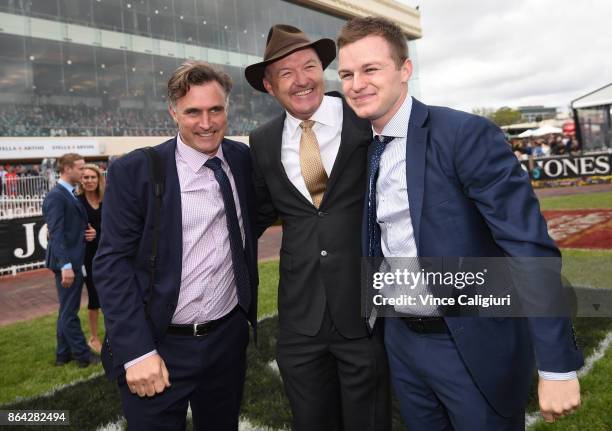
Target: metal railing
[[23, 196]]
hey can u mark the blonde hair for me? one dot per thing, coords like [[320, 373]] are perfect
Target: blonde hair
[[101, 180], [67, 161]]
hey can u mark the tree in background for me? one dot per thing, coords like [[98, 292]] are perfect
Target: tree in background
[[502, 117]]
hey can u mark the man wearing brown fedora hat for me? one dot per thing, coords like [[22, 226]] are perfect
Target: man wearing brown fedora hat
[[309, 170]]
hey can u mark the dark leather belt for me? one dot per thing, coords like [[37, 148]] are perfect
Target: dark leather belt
[[426, 325], [200, 329]]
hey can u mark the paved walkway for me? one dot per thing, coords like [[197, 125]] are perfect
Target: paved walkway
[[32, 294]]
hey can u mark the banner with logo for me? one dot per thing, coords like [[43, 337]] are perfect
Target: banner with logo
[[553, 168], [22, 241], [20, 148]]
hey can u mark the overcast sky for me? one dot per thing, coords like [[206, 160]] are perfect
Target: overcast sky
[[493, 53]]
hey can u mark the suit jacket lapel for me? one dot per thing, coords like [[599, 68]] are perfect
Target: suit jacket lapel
[[416, 149], [172, 223], [354, 134], [74, 201]]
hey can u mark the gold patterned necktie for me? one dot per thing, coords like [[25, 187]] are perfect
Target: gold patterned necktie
[[313, 172]]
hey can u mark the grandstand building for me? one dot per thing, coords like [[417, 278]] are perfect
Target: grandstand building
[[97, 69], [536, 113]]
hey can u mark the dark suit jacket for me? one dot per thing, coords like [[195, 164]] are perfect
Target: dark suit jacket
[[66, 222], [121, 266], [309, 281], [469, 197]]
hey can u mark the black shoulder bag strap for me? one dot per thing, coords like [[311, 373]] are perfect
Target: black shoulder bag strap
[[156, 176]]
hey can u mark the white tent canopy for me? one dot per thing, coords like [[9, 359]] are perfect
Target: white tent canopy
[[599, 97], [546, 130], [526, 134]]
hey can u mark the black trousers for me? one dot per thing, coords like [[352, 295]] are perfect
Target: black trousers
[[206, 372], [334, 383]]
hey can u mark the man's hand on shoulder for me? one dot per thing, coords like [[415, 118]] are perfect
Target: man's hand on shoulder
[[558, 398], [67, 277], [148, 377]]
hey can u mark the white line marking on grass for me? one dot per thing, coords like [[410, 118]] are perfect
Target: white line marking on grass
[[273, 365], [598, 353], [58, 388], [243, 425], [119, 425]]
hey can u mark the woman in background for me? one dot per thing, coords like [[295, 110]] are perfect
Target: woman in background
[[92, 192]]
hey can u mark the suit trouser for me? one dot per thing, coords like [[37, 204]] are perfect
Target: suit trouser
[[206, 372], [335, 383], [433, 386], [70, 338]]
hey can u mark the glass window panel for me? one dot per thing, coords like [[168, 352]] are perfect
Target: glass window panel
[[185, 7], [79, 70], [141, 81], [162, 69], [41, 8], [162, 25], [110, 67], [135, 22], [107, 13], [78, 11], [47, 67]]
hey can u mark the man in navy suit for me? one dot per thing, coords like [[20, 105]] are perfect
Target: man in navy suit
[[448, 185], [67, 226], [177, 334]]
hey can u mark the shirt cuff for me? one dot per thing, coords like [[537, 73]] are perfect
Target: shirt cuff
[[140, 358], [67, 266], [547, 375]]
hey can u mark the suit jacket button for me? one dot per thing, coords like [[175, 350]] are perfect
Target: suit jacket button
[[323, 253], [321, 214]]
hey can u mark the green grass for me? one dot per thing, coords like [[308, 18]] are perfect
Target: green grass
[[578, 201], [27, 349], [268, 288], [591, 268], [27, 355]]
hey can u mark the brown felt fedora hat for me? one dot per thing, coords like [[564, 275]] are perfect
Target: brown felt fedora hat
[[282, 41]]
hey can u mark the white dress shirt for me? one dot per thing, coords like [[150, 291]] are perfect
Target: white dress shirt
[[327, 128]]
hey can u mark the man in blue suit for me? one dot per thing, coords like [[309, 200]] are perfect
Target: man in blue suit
[[177, 323], [67, 226], [448, 185]]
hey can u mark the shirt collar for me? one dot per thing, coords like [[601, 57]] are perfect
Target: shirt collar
[[194, 158], [324, 115], [398, 124], [66, 185]]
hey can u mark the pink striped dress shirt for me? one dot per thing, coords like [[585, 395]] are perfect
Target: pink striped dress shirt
[[208, 289]]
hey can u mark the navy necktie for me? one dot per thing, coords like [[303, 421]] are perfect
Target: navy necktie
[[374, 247], [241, 273]]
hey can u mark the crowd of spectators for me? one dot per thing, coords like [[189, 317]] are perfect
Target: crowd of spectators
[[28, 179], [551, 145], [81, 120]]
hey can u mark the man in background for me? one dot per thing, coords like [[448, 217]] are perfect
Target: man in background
[[68, 230]]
